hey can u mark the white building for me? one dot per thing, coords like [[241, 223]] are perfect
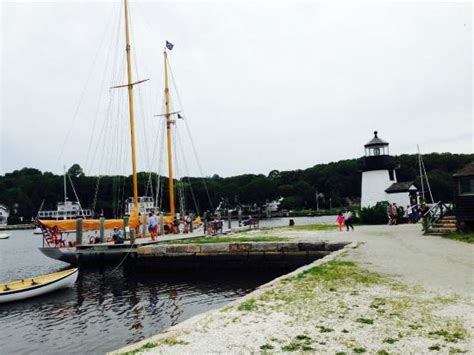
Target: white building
[[146, 204], [4, 213], [379, 178]]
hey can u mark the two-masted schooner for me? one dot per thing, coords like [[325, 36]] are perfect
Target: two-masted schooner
[[68, 253]]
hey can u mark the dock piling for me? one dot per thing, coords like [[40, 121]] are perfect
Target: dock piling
[[79, 231], [162, 224], [126, 219], [229, 221], [102, 229], [191, 225]]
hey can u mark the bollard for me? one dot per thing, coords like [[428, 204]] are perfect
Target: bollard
[[229, 221], [162, 224], [240, 217], [102, 229], [125, 226], [191, 225], [79, 231], [205, 223]]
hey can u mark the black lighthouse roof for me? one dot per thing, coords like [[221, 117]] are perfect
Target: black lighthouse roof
[[376, 141]]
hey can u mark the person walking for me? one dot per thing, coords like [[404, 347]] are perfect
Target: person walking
[[348, 219], [152, 225]]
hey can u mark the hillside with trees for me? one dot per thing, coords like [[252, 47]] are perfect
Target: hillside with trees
[[338, 183]]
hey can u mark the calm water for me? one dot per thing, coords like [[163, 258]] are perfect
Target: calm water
[[106, 310]]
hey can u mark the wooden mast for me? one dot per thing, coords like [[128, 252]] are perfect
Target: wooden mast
[[130, 106], [168, 135]]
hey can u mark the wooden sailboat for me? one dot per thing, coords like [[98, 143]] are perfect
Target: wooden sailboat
[[94, 224], [37, 286], [69, 254]]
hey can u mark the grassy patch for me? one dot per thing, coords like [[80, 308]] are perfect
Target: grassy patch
[[390, 340], [336, 270], [365, 321], [144, 347], [266, 347], [248, 306], [173, 341], [463, 237], [323, 329], [435, 347], [359, 350], [382, 352], [310, 227], [299, 343], [208, 240], [450, 337]]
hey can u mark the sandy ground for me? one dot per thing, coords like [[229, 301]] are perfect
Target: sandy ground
[[406, 293]]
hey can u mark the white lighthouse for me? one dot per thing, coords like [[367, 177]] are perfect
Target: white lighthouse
[[379, 179]]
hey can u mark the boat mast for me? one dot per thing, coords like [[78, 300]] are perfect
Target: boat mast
[[421, 173], [168, 135], [130, 106], [65, 191]]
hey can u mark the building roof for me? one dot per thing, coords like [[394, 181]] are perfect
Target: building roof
[[468, 170], [376, 141], [400, 187]]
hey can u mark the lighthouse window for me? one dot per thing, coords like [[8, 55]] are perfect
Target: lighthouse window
[[376, 151]]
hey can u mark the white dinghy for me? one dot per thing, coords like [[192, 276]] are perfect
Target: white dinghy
[[5, 235], [36, 286]]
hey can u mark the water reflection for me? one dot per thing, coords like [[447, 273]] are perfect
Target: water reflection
[[106, 310]]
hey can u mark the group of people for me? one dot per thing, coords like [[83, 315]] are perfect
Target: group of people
[[345, 219]]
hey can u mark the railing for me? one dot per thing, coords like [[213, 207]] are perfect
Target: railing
[[435, 213]]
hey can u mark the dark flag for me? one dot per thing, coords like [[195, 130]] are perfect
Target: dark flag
[[180, 117], [169, 45]]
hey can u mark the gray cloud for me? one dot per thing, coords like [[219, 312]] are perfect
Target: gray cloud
[[264, 85]]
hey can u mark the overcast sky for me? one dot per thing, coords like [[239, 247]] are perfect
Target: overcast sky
[[263, 85]]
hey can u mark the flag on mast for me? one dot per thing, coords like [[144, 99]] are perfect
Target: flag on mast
[[169, 45]]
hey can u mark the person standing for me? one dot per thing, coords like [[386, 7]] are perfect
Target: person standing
[[389, 214], [348, 220], [340, 221], [394, 213]]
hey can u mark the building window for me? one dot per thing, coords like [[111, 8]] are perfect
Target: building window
[[466, 185]]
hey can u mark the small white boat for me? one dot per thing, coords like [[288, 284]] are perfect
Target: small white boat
[[36, 286], [5, 235], [38, 231]]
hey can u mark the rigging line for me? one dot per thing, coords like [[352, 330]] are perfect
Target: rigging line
[[94, 201], [189, 180], [190, 136], [114, 29], [159, 187], [75, 194], [81, 97], [427, 182]]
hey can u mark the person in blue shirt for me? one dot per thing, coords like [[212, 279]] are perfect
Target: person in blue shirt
[[117, 236]]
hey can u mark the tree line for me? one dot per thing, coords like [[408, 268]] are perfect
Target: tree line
[[336, 184]]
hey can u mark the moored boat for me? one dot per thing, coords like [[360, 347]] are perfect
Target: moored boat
[[37, 286], [5, 235]]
